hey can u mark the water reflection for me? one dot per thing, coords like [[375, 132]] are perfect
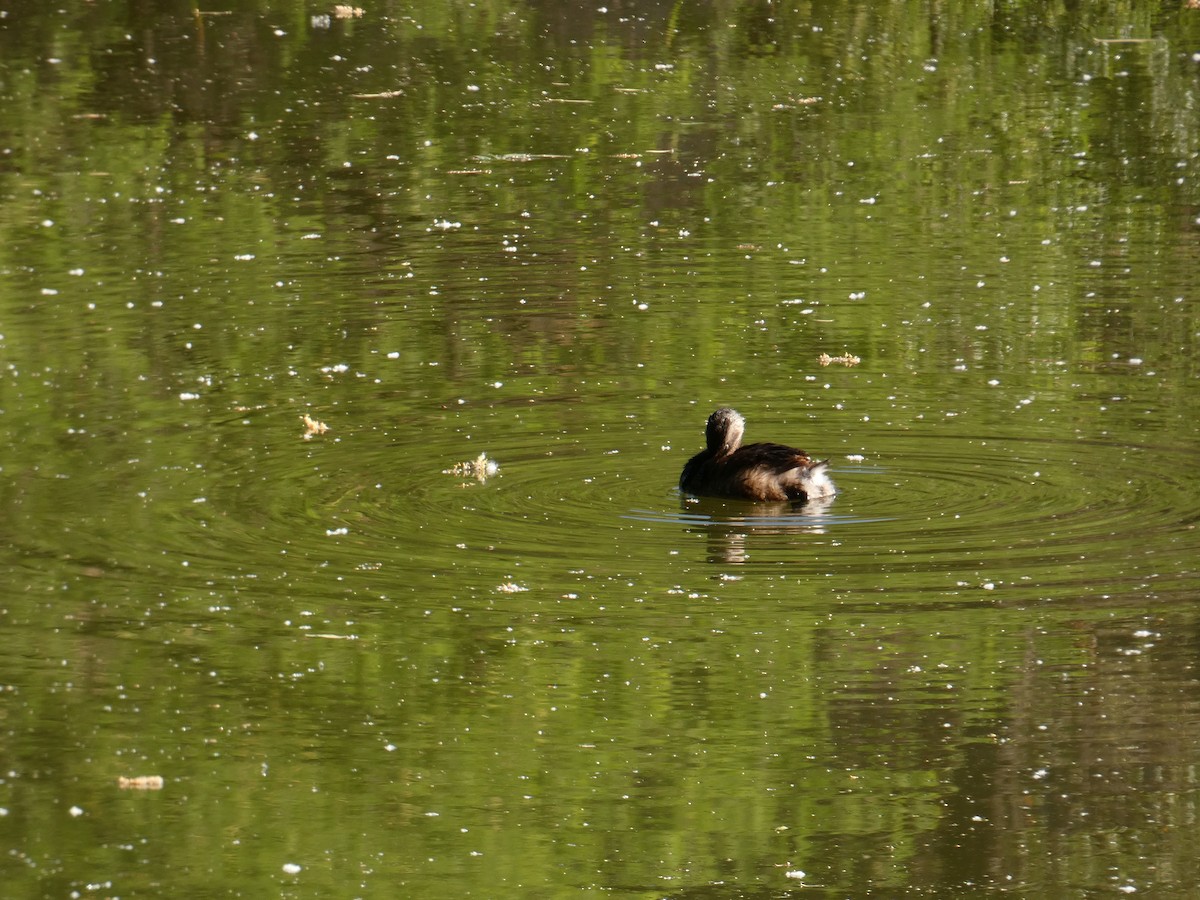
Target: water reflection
[[731, 527]]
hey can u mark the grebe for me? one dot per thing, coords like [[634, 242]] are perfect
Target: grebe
[[754, 472]]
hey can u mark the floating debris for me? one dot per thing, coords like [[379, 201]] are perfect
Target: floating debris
[[796, 101], [312, 426], [141, 783], [480, 468], [846, 359], [342, 11], [510, 587], [517, 157]]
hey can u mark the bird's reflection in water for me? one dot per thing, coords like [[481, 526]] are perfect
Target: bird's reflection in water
[[732, 526]]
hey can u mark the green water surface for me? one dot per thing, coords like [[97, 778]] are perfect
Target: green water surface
[[560, 235]]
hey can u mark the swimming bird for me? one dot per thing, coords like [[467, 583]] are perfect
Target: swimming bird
[[755, 472]]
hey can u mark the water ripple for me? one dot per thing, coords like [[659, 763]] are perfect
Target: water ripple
[[921, 514]]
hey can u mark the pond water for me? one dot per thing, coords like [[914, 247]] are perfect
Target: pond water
[[348, 362]]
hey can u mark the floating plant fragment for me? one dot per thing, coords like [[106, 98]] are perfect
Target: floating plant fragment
[[797, 101], [312, 426], [140, 783], [480, 468], [517, 157], [846, 359]]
